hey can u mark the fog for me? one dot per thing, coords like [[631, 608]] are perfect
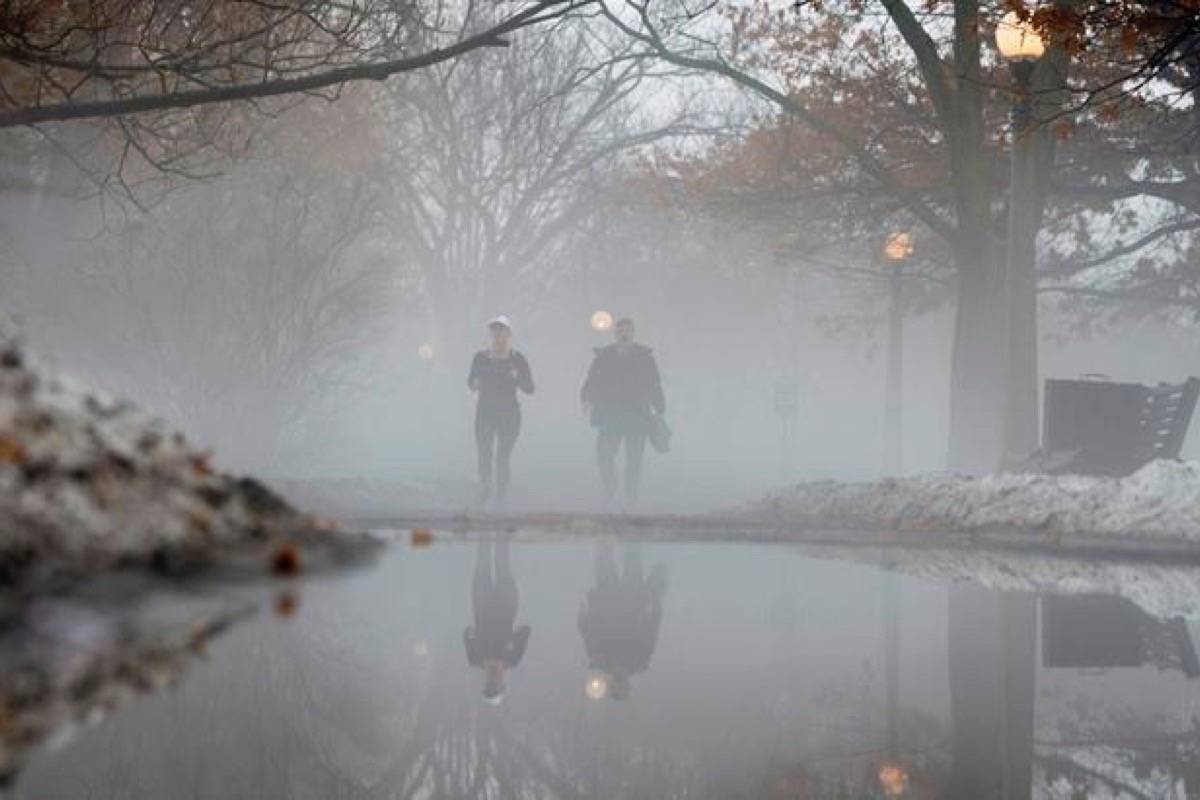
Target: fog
[[274, 303]]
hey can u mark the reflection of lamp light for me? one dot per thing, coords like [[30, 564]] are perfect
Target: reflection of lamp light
[[893, 779], [596, 687], [602, 321], [1018, 40], [898, 247], [425, 352]]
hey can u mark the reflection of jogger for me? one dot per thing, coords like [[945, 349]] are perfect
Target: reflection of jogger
[[491, 643], [620, 618]]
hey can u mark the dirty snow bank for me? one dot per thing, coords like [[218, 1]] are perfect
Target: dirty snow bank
[[1162, 500], [88, 482], [1161, 590]]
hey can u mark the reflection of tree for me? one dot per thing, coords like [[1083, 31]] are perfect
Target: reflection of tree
[[1137, 760], [992, 651]]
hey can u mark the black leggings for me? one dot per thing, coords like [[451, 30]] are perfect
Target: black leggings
[[495, 434]]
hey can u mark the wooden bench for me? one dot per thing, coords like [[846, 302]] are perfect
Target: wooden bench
[[1101, 427]]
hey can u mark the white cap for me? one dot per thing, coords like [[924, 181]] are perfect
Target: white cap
[[501, 320]]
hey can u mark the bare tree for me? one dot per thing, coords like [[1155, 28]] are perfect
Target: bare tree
[[110, 58], [237, 304], [497, 160]]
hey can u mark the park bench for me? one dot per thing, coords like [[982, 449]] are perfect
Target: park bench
[[1102, 427], [1098, 631]]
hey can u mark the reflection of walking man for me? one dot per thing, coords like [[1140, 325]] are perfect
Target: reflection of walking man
[[491, 642], [622, 393], [620, 618]]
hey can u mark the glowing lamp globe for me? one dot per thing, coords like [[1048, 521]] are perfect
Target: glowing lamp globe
[[1018, 40], [602, 321], [898, 247], [425, 352], [893, 779], [596, 687]]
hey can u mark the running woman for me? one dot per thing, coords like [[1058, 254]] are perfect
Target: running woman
[[496, 374]]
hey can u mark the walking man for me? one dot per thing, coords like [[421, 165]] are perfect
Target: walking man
[[622, 394], [496, 374]]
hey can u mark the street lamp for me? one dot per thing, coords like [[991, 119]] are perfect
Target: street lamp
[[425, 352], [1020, 44], [602, 321], [893, 779], [596, 687], [1018, 40], [899, 246], [896, 250]]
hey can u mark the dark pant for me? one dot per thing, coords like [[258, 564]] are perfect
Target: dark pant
[[607, 444], [495, 434]]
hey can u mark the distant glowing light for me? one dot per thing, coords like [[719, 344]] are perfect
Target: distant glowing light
[[1018, 40], [898, 247], [425, 352], [602, 321], [596, 687], [421, 648], [893, 779]]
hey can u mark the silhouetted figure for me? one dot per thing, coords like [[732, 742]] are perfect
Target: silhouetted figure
[[492, 643], [496, 374], [622, 393], [620, 617]]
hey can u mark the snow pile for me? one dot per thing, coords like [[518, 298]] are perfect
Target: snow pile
[[1162, 590], [88, 482], [1162, 499]]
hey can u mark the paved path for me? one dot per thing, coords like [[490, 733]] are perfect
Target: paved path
[[710, 528]]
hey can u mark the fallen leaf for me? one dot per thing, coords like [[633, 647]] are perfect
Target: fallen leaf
[[421, 537], [286, 561], [200, 464], [286, 604], [11, 450]]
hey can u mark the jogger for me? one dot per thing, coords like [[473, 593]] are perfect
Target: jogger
[[496, 374]]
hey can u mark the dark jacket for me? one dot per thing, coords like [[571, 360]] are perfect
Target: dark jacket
[[620, 623], [499, 642], [623, 385], [497, 379]]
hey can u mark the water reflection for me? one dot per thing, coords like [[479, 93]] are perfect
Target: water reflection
[[761, 673], [619, 620], [492, 643], [992, 655]]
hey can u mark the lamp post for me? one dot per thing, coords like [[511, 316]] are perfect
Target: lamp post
[[896, 251], [1020, 44]]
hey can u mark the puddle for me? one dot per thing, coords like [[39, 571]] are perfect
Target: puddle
[[660, 670]]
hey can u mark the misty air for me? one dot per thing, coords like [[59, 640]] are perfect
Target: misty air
[[599, 399]]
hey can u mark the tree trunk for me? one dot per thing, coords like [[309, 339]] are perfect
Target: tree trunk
[[978, 366], [992, 652]]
